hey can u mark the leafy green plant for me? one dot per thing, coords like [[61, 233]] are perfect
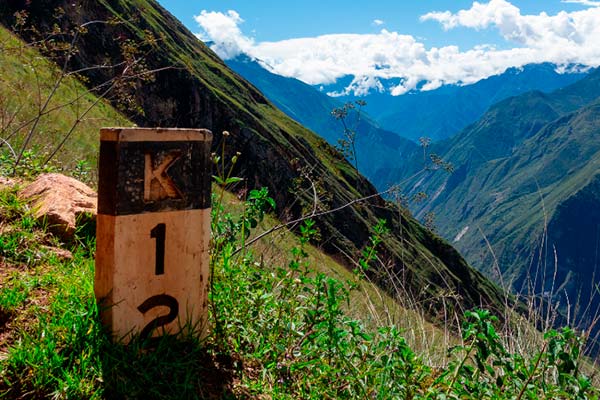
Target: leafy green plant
[[485, 369], [82, 171], [31, 164], [369, 253]]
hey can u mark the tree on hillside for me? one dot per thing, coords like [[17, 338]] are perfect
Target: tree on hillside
[[347, 143]]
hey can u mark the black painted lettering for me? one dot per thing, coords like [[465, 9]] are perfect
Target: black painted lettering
[[157, 301], [159, 232]]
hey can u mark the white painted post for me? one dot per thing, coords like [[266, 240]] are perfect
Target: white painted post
[[153, 231]]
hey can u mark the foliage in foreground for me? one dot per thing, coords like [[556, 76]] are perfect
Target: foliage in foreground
[[278, 330]]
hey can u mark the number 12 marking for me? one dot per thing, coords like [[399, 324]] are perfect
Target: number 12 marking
[[159, 232]]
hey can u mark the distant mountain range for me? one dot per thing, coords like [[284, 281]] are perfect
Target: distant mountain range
[[435, 114], [377, 148], [443, 112], [524, 198]]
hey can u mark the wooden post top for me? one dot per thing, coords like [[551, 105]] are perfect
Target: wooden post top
[[153, 170], [154, 134]]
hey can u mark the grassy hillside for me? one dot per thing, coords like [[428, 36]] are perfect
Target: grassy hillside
[[288, 321], [193, 88], [280, 329], [27, 83], [43, 294]]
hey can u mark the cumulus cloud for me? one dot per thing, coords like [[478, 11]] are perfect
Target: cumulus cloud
[[378, 22], [563, 39], [360, 86], [224, 31], [589, 3], [535, 31]]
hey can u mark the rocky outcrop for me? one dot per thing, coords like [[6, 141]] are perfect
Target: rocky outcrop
[[61, 202]]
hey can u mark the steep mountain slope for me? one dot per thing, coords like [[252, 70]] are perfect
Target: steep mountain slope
[[526, 180], [15, 75], [445, 111], [193, 88], [27, 82], [378, 148]]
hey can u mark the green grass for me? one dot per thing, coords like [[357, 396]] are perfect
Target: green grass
[[26, 83], [281, 327]]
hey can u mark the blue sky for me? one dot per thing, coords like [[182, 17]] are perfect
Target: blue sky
[[440, 41], [269, 20]]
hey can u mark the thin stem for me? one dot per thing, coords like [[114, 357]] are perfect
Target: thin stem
[[535, 367], [47, 102], [315, 214], [459, 367]]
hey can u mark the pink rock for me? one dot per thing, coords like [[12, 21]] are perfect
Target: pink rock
[[7, 182], [62, 202], [61, 254]]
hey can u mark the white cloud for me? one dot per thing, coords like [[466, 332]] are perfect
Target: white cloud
[[589, 3], [224, 31], [378, 22], [361, 86], [572, 31], [564, 38]]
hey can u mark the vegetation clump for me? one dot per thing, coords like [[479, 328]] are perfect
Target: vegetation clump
[[281, 331]]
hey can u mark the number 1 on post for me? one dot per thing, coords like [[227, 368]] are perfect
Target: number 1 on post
[[159, 233]]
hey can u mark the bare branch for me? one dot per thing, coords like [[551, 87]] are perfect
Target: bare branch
[[315, 214], [47, 102]]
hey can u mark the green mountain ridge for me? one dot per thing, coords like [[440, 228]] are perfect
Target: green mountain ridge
[[531, 162], [444, 112], [193, 88]]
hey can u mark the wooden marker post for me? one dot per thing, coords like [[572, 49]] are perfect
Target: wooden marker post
[[153, 230]]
